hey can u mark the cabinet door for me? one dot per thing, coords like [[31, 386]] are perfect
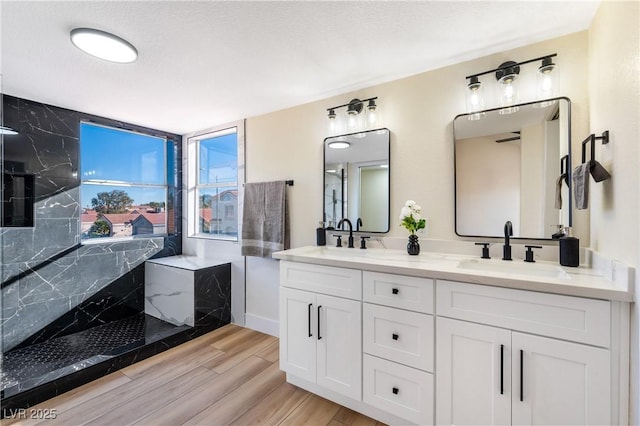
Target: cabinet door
[[339, 341], [473, 374], [559, 382], [298, 333]]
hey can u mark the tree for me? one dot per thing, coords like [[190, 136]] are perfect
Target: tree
[[100, 228], [156, 206], [115, 201]]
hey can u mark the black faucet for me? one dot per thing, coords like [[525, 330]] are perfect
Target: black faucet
[[350, 230], [506, 249], [358, 224]]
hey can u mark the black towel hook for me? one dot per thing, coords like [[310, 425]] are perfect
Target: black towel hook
[[593, 138]]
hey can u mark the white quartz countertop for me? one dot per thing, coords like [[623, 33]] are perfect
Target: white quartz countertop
[[539, 276], [192, 263]]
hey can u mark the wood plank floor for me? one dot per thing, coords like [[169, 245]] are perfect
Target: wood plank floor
[[227, 377]]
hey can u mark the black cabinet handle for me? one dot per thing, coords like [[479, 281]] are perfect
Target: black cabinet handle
[[309, 319], [319, 337], [394, 336], [395, 291], [521, 375], [501, 369], [395, 391]]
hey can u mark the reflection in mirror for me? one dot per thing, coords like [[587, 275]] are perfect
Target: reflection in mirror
[[510, 166], [356, 180]]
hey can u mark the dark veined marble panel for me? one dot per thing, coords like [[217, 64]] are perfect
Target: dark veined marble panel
[[212, 294], [48, 277]]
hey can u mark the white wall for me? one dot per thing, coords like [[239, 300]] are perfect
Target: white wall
[[532, 181], [374, 187], [481, 187], [614, 85]]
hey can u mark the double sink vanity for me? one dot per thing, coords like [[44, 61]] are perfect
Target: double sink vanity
[[451, 339], [459, 339]]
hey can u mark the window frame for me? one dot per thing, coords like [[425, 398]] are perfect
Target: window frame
[[193, 186], [125, 184]]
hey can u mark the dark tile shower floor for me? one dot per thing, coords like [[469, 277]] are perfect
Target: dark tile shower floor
[[34, 365]]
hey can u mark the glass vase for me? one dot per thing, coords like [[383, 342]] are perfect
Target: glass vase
[[413, 247]]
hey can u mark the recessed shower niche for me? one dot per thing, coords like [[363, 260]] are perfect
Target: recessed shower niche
[[18, 197]]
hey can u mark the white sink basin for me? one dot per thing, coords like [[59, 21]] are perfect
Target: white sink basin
[[514, 267]]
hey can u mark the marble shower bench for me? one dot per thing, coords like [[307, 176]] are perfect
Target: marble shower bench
[[188, 290]]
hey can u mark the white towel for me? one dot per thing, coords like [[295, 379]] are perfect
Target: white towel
[[265, 222], [581, 185]]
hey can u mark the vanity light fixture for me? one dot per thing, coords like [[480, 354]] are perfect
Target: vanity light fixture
[[547, 73], [475, 98], [354, 108], [103, 45], [372, 114], [507, 76], [4, 130], [333, 123], [353, 118]]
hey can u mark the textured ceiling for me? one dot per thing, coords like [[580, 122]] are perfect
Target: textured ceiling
[[204, 63]]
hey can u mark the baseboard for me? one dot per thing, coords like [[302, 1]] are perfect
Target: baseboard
[[359, 406], [262, 324]]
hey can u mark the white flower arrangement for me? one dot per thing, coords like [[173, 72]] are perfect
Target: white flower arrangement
[[411, 217]]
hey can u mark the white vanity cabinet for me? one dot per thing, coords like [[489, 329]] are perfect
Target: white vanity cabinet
[[398, 341], [494, 375], [320, 334], [406, 345]]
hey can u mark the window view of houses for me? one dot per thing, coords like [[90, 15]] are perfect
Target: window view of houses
[[217, 184], [123, 195], [114, 215], [217, 213]]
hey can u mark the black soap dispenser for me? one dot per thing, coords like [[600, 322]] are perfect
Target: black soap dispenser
[[321, 235], [569, 249]]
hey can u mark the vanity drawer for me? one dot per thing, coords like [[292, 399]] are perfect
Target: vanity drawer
[[341, 282], [398, 291], [564, 317], [402, 336], [398, 389]]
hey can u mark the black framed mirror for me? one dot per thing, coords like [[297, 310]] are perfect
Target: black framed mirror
[[357, 180], [513, 164]]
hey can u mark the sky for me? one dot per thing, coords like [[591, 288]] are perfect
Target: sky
[[108, 154], [219, 159]]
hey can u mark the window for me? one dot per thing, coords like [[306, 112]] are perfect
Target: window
[[123, 188], [214, 180]]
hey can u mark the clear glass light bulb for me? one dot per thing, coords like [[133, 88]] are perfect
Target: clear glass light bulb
[[475, 99]]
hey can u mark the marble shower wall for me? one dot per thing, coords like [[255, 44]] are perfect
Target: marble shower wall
[[51, 284]]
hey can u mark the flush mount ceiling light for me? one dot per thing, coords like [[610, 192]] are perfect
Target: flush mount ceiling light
[[339, 144], [4, 130], [103, 45]]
